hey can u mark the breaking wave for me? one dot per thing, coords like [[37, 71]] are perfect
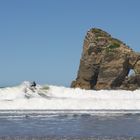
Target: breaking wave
[[48, 97]]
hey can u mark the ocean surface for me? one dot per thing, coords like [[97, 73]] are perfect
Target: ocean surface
[[54, 112], [48, 97], [73, 125]]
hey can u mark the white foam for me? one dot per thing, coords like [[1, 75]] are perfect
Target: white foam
[[62, 98]]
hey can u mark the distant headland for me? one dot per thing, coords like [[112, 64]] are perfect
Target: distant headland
[[106, 63]]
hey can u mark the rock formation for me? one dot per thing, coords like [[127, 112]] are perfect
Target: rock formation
[[106, 62]]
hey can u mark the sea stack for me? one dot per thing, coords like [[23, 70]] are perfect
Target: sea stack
[[106, 62]]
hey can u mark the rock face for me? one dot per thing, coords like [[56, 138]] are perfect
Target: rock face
[[106, 62]]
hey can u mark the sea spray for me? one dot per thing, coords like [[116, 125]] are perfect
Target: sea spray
[[62, 98]]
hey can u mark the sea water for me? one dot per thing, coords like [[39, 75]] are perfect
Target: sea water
[[60, 125], [64, 113], [61, 98]]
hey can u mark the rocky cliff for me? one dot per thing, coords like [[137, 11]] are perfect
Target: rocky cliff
[[106, 62]]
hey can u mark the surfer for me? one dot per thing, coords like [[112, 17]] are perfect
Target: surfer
[[33, 86]]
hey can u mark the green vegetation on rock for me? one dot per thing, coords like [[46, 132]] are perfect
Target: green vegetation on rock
[[112, 47]]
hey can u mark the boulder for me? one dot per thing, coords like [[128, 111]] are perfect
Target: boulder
[[105, 62], [131, 83]]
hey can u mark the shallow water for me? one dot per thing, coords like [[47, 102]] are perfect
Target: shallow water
[[42, 125]]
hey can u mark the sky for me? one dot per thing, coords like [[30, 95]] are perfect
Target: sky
[[42, 40]]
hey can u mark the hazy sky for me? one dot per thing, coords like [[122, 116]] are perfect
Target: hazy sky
[[42, 40]]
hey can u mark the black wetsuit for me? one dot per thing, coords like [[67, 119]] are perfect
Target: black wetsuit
[[33, 84]]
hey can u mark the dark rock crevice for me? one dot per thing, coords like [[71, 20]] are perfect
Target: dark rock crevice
[[121, 77]]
